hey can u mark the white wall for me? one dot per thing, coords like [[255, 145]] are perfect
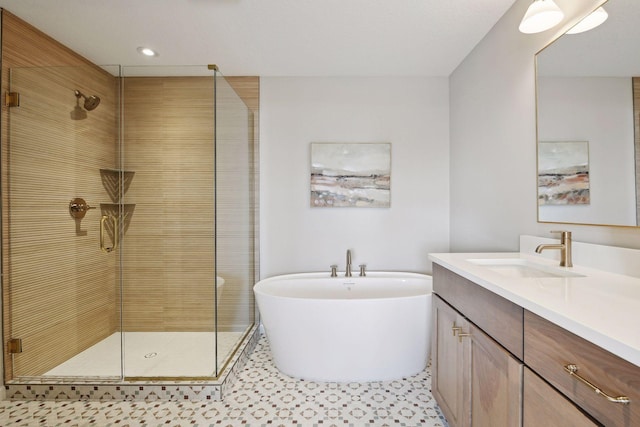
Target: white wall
[[493, 141], [410, 113]]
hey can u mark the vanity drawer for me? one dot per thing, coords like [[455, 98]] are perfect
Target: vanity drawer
[[548, 348], [496, 316], [543, 406]]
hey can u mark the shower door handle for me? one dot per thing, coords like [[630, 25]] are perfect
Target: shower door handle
[[103, 227]]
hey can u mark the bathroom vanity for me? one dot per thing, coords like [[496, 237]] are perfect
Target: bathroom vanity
[[518, 340]]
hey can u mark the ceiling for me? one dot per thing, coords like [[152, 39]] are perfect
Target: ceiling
[[272, 37]]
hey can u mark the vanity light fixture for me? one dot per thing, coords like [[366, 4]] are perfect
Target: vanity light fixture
[[591, 21], [541, 16], [147, 51]]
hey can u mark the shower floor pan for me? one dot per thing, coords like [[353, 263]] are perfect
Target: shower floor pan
[[157, 365], [151, 354]]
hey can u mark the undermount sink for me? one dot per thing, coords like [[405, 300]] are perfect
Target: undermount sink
[[521, 268]]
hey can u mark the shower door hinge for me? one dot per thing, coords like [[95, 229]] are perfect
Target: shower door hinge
[[14, 345], [12, 99]]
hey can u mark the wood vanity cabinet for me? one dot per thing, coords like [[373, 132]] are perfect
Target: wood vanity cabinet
[[498, 317], [495, 364], [475, 380]]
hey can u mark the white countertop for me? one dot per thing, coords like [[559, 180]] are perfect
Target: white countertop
[[601, 307]]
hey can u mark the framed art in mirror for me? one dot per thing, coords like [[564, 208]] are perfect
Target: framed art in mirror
[[563, 173]]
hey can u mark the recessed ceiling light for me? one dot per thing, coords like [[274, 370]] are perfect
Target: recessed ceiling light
[[147, 51]]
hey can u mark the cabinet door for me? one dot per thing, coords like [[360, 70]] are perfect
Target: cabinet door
[[447, 364], [543, 405], [496, 382]]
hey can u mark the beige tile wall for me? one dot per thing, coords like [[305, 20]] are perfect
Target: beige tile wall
[[168, 250]]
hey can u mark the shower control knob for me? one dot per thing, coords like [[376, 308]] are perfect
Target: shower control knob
[[78, 208]]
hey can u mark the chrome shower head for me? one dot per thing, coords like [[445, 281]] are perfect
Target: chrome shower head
[[90, 102]]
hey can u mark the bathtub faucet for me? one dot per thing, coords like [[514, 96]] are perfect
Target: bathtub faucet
[[348, 268]]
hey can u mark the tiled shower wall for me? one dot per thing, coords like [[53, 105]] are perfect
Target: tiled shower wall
[[168, 249], [168, 258]]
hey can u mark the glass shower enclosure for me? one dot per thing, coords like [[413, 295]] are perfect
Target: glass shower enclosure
[[129, 212]]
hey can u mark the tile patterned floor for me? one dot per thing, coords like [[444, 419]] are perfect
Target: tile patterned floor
[[261, 396]]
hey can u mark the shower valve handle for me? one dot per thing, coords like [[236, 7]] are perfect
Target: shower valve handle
[[78, 208]]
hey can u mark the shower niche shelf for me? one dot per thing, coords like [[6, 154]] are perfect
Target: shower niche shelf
[[117, 183], [114, 184], [113, 209]]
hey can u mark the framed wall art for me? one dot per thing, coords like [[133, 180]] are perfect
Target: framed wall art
[[350, 175]]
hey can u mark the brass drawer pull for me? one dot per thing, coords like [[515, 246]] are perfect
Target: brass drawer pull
[[573, 371]]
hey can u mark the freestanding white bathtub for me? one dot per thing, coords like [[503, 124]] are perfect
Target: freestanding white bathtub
[[345, 329]]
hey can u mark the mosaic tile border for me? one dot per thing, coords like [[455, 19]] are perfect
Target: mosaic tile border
[[140, 390]]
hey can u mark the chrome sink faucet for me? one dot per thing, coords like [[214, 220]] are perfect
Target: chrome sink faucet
[[564, 246], [348, 268]]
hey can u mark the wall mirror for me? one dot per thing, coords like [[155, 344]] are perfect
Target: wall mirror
[[588, 130]]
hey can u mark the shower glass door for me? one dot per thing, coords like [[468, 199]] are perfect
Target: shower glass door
[[61, 291]]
